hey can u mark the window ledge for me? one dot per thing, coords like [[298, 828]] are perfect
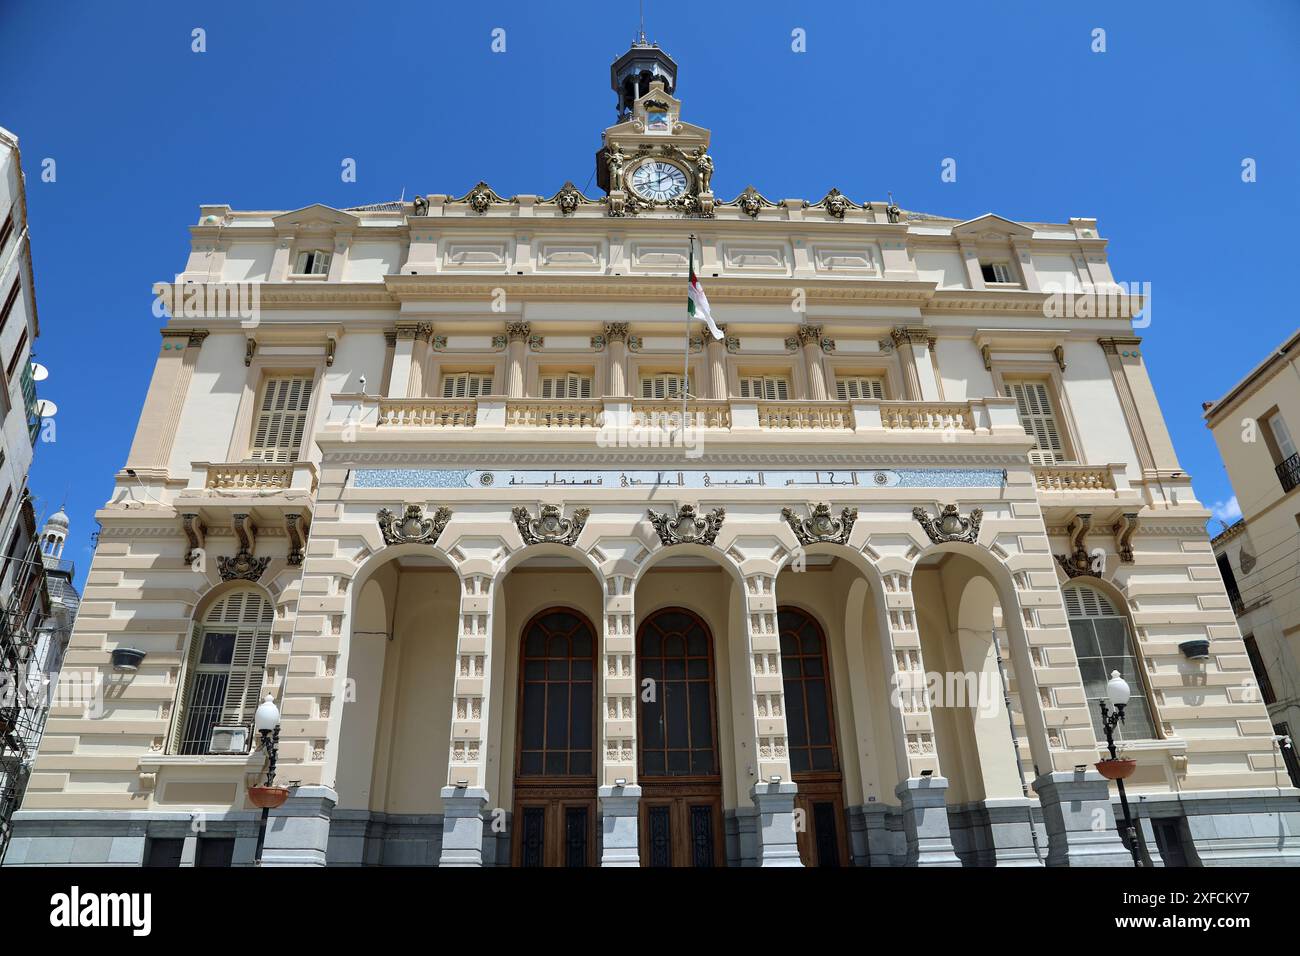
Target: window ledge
[[1171, 745], [254, 758], [303, 277]]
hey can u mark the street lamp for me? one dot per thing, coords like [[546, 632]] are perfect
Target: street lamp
[[266, 721], [1118, 693]]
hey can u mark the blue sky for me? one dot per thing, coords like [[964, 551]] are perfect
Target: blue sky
[[1148, 137]]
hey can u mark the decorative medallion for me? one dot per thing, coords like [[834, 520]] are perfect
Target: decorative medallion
[[480, 198], [242, 566], [820, 526], [413, 527], [550, 527], [835, 203], [950, 526], [751, 202], [569, 198], [687, 527]]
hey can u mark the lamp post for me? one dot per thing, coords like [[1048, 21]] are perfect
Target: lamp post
[[1118, 692], [266, 721]]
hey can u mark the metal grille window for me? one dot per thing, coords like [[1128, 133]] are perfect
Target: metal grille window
[[1038, 418], [281, 419], [766, 388], [1102, 643], [570, 385], [224, 668], [313, 262], [662, 385], [466, 384], [859, 386]]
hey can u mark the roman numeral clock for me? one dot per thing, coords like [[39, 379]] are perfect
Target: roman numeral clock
[[651, 160]]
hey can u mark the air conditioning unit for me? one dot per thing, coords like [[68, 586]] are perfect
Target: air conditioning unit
[[228, 740]]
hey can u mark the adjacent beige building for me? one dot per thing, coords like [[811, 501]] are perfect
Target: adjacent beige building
[[420, 471], [1259, 555]]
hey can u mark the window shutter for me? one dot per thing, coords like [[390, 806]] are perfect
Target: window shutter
[[281, 419], [254, 616], [1285, 446], [858, 387], [1036, 416], [666, 385], [186, 681], [767, 388]]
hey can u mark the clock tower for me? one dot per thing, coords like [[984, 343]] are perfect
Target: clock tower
[[650, 160]]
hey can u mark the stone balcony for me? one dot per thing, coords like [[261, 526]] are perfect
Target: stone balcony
[[268, 491], [367, 417]]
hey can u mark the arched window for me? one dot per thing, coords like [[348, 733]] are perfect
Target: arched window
[[557, 703], [1103, 643], [223, 669], [807, 692], [677, 738]]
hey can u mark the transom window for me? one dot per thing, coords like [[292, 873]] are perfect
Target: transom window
[[313, 262], [807, 692], [677, 737], [849, 387], [766, 388], [1103, 643], [224, 669], [281, 419], [557, 702], [566, 385], [466, 384], [1038, 418], [663, 385]]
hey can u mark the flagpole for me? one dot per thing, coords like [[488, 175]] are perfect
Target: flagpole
[[686, 351]]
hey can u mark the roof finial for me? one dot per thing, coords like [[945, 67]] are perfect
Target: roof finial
[[642, 39]]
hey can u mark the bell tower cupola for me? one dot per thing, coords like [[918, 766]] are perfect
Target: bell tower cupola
[[633, 72]]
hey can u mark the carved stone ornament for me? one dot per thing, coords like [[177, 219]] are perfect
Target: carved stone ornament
[[835, 203], [421, 205], [1079, 562], [752, 202], [250, 347], [687, 527], [569, 198], [550, 526], [412, 527], [243, 566], [616, 331], [516, 331], [294, 528], [1127, 524], [820, 526], [950, 526], [195, 534], [481, 197]]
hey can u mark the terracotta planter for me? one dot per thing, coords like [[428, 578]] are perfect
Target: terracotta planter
[[1120, 769], [267, 798]]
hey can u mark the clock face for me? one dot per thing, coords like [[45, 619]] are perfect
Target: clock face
[[658, 181]]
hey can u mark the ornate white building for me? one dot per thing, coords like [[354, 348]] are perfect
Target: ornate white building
[[431, 490]]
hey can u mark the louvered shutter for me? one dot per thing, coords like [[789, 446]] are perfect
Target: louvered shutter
[[666, 385], [186, 680], [767, 388], [466, 385], [572, 385], [1281, 435], [281, 419], [253, 616], [858, 387], [1034, 405]]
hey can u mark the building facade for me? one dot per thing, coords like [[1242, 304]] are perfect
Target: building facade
[[540, 574], [1259, 555], [24, 602]]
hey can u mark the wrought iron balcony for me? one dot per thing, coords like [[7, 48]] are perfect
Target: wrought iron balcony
[[1288, 472]]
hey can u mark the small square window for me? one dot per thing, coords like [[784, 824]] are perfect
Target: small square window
[[997, 272], [313, 262]]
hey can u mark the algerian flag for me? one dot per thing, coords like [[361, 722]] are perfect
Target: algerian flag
[[697, 303]]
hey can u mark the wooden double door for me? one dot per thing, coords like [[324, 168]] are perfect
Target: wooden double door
[[554, 821], [677, 743]]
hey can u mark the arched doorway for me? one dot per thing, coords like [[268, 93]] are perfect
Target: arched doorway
[[555, 770], [813, 747], [677, 742]]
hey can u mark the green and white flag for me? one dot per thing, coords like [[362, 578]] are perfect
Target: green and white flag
[[697, 303]]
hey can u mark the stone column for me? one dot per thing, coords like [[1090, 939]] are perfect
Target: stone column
[[465, 798], [810, 338], [914, 344], [717, 357], [405, 372], [616, 370], [923, 789], [1080, 820], [517, 333], [774, 791], [165, 400], [618, 801]]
